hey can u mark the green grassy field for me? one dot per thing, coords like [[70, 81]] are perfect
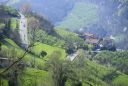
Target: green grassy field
[[38, 77], [49, 49], [32, 76], [9, 44]]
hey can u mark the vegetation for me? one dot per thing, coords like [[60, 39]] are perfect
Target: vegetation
[[41, 36], [120, 80], [81, 15], [72, 40], [13, 23], [48, 49], [35, 77], [116, 59], [8, 11], [46, 64], [81, 71]]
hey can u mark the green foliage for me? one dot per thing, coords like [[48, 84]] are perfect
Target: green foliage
[[81, 15], [72, 40], [41, 36], [4, 82], [116, 59], [84, 71], [36, 21], [121, 80], [88, 47], [35, 77], [9, 44], [13, 23], [57, 69], [8, 11], [80, 71]]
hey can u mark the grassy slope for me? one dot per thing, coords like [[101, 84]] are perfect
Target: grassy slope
[[69, 35], [121, 80], [32, 75], [62, 32], [8, 44], [101, 71], [97, 73], [81, 15], [49, 49]]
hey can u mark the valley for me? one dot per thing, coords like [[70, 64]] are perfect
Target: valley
[[79, 47]]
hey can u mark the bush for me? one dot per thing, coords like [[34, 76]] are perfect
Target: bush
[[43, 54]]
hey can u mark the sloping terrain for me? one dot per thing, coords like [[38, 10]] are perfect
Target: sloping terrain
[[80, 16], [46, 65]]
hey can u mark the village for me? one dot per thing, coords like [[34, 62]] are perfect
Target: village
[[99, 44]]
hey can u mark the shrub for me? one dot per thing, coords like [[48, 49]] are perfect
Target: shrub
[[43, 54]]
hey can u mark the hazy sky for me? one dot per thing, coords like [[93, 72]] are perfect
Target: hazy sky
[[2, 0]]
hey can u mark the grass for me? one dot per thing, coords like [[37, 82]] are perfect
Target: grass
[[96, 72], [13, 23], [121, 80], [38, 77], [32, 76], [63, 32], [29, 58], [9, 44], [102, 70], [47, 48], [70, 36]]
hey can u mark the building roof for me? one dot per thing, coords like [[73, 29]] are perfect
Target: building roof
[[92, 41], [88, 34]]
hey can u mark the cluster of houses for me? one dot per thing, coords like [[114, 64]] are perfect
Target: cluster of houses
[[98, 43]]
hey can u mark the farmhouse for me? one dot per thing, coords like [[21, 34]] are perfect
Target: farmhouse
[[91, 39]]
